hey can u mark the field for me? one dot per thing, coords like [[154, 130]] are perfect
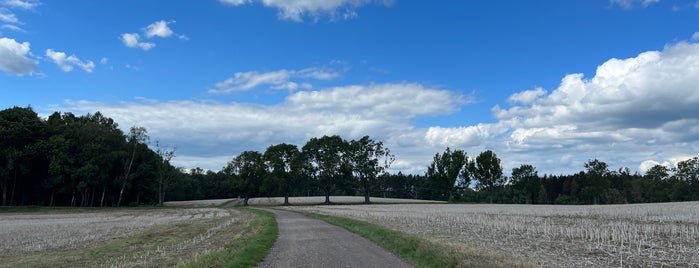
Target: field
[[115, 237], [650, 235], [314, 200]]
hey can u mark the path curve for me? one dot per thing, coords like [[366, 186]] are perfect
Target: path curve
[[306, 242]]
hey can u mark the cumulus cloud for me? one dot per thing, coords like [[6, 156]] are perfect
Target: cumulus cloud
[[159, 29], [66, 63], [632, 110], [155, 29], [280, 79], [296, 10], [214, 132], [15, 57], [133, 40], [527, 96]]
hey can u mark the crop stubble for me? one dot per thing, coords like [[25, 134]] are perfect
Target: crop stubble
[[115, 238], [665, 234]]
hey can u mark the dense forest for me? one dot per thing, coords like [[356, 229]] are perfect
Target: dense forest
[[69, 160]]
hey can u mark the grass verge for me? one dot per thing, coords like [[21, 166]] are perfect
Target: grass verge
[[251, 247], [420, 252]]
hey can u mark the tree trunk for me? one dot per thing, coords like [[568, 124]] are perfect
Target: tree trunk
[[51, 201], [4, 193], [14, 185], [104, 190], [286, 198], [327, 198], [126, 176], [366, 191]]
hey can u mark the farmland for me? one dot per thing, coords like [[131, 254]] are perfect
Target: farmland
[[314, 200], [662, 234], [115, 237]]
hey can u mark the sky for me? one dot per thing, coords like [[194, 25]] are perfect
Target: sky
[[550, 83]]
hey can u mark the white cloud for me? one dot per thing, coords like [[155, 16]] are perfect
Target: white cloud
[[155, 29], [695, 36], [159, 29], [104, 60], [132, 40], [205, 131], [527, 96], [632, 110], [14, 57], [12, 27], [629, 4], [280, 79], [296, 10], [235, 2], [21, 4], [7, 16], [66, 63]]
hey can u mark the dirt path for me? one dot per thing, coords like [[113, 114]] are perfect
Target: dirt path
[[306, 242]]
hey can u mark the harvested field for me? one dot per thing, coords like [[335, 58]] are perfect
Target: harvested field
[[651, 235], [313, 200], [199, 203], [115, 237]]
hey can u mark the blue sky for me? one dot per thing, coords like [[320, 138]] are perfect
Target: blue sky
[[547, 83]]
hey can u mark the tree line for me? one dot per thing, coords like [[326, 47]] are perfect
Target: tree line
[[69, 160]]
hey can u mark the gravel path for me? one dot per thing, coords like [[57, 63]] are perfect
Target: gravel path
[[306, 242]]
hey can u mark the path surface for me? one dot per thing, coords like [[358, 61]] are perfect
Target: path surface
[[306, 242]]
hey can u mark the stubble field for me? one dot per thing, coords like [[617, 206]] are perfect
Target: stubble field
[[115, 237], [646, 235]]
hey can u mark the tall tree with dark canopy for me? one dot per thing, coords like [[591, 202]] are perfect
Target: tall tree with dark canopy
[[282, 162], [246, 171], [597, 182], [525, 180], [136, 136], [20, 128], [368, 159], [488, 173], [449, 171], [325, 162]]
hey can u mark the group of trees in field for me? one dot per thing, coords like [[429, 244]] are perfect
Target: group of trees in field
[[452, 176], [323, 166], [87, 160]]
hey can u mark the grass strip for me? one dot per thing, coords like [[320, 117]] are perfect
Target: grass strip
[[417, 251], [248, 249]]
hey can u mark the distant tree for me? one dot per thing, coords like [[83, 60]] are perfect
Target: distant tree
[[525, 179], [448, 172], [20, 130], [165, 154], [136, 136], [325, 163], [246, 171], [597, 179], [367, 159], [488, 173], [282, 164], [687, 172]]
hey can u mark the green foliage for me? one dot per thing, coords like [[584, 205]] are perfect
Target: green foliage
[[246, 171], [325, 163], [448, 172], [487, 172]]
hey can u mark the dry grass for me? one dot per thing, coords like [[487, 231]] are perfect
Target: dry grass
[[115, 237], [652, 235], [313, 200]]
